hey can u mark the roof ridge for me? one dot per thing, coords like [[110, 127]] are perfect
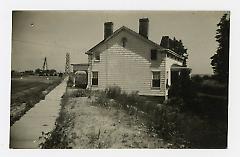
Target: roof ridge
[[137, 35]]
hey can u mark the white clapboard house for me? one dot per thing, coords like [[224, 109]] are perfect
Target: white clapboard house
[[131, 61]]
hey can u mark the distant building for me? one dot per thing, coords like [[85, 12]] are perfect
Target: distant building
[[131, 61]]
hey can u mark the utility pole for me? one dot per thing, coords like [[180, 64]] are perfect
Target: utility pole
[[67, 66]]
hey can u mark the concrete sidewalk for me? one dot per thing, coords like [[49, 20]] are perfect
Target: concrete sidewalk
[[41, 118]]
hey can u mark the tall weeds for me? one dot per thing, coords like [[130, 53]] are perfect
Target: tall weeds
[[168, 120]]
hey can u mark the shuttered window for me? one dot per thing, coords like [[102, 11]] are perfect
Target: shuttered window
[[156, 79], [95, 78]]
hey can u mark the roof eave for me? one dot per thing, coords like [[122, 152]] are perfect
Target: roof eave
[[89, 52], [80, 64], [180, 68], [173, 53], [105, 40]]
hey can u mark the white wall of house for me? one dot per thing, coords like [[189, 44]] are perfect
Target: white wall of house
[[129, 67]]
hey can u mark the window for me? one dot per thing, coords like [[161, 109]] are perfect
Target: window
[[95, 78], [156, 79], [167, 85], [153, 54], [97, 56], [124, 41]]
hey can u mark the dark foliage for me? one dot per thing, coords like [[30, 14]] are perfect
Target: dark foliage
[[81, 93], [183, 89], [174, 45], [220, 60], [204, 101], [70, 81]]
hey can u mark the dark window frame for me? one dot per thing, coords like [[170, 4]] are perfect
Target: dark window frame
[[97, 56], [124, 41], [156, 79], [95, 78], [154, 54]]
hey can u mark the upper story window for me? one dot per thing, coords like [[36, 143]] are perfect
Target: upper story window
[[124, 41], [153, 54], [97, 56]]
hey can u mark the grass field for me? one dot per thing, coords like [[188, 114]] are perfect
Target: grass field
[[27, 91]]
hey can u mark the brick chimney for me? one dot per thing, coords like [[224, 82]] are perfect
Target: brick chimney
[[143, 27], [108, 29], [165, 42]]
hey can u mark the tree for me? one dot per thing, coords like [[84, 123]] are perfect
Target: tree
[[182, 89], [220, 60], [38, 71]]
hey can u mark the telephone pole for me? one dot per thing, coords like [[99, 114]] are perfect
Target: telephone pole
[[67, 66]]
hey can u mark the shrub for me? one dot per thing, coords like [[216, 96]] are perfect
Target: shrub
[[102, 100], [70, 82], [191, 129], [113, 92], [213, 87], [81, 93]]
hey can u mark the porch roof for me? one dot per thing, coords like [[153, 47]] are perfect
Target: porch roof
[[176, 67]]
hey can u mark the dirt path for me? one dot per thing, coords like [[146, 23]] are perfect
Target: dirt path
[[97, 127]]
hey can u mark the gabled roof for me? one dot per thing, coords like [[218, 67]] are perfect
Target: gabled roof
[[138, 36]]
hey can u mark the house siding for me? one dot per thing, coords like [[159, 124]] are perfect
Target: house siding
[[129, 67]]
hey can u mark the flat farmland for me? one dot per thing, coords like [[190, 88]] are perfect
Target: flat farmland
[[28, 91]]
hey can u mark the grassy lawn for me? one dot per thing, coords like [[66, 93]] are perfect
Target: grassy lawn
[[26, 92]]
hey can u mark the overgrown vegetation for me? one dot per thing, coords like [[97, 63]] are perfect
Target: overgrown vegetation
[[206, 100], [164, 119], [59, 138], [70, 81], [81, 93], [172, 120]]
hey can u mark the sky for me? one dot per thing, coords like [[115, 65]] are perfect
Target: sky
[[51, 34]]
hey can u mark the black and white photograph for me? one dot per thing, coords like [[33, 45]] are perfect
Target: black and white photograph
[[119, 78], [122, 79]]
